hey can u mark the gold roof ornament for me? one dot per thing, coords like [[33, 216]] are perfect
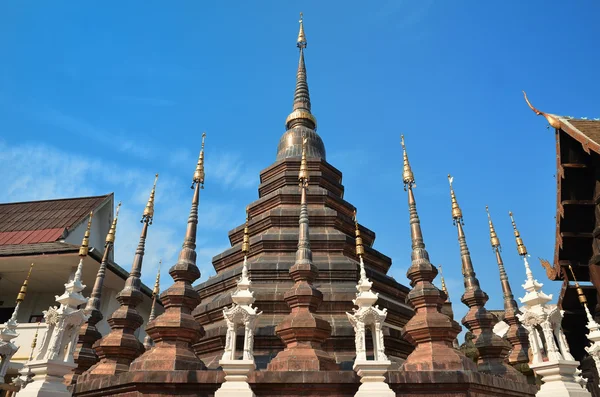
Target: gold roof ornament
[[149, 210], [84, 249], [156, 289], [552, 119], [407, 175], [360, 249], [303, 174], [456, 211], [34, 342], [580, 294], [443, 282], [301, 43], [23, 291], [199, 173], [520, 246], [494, 240], [110, 236], [246, 241]]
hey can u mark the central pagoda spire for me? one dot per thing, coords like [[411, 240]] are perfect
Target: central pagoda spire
[[301, 122]]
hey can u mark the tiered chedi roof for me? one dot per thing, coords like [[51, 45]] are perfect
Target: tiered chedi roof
[[274, 235]]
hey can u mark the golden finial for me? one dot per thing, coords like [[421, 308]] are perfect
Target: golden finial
[[301, 43], [34, 342], [156, 289], [520, 246], [580, 294], [443, 282], [110, 236], [456, 211], [246, 242], [360, 249], [407, 175], [303, 175], [199, 173], [23, 291], [493, 236], [552, 120], [83, 250], [149, 210]]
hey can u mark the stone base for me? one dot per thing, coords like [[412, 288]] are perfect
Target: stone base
[[236, 378], [48, 379], [559, 379], [372, 379], [301, 358]]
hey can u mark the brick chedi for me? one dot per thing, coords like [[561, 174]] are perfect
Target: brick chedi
[[491, 348], [274, 236], [429, 330], [121, 346], [84, 355], [174, 331], [516, 334]]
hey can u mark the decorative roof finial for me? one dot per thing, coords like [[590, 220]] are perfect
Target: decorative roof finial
[[34, 342], [199, 173], [443, 282], [552, 119], [156, 289], [301, 37], [84, 249], [494, 240], [520, 246], [407, 175], [456, 211], [246, 241], [110, 236], [360, 249], [303, 174], [149, 210], [23, 291]]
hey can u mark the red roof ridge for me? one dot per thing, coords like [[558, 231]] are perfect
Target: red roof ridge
[[59, 199]]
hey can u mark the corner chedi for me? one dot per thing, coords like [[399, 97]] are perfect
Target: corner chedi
[[84, 355], [55, 359], [148, 343], [175, 330], [121, 346], [594, 335], [302, 331], [491, 348], [367, 316], [243, 314], [516, 334], [550, 355], [431, 332], [9, 332]]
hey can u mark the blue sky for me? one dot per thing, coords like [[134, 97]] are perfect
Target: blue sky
[[96, 99]]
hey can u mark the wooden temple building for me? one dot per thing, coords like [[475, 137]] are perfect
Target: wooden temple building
[[577, 241]]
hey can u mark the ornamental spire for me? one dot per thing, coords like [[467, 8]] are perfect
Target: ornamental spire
[[149, 210], [492, 349], [23, 290], [303, 174], [581, 296], [301, 114], [199, 173], [430, 330], [360, 249], [83, 250], [516, 334], [148, 343], [443, 281]]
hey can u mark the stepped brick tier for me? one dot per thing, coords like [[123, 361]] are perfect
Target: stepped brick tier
[[273, 243]]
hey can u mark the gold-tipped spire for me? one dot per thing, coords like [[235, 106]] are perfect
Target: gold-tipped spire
[[360, 249], [23, 291], [34, 342], [303, 174], [84, 249], [580, 294], [301, 37], [494, 240], [156, 289], [246, 241], [552, 120], [456, 211], [199, 173], [407, 175], [149, 210], [110, 236], [443, 282], [520, 246]]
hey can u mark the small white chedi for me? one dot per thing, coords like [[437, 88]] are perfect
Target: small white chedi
[[240, 314], [367, 316], [54, 358], [9, 332], [550, 355]]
